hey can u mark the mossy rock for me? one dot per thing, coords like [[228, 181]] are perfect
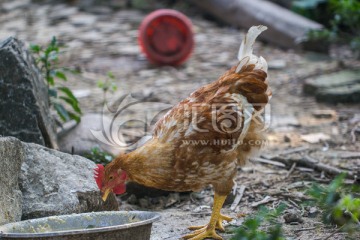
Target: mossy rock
[[339, 87]]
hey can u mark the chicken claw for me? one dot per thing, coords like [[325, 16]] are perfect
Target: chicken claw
[[219, 223], [209, 230], [203, 233]]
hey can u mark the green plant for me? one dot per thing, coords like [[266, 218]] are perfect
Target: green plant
[[47, 59], [340, 203], [98, 156], [346, 22], [249, 230], [310, 8], [108, 85], [341, 19]]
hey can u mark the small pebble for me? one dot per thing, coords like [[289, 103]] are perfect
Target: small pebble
[[293, 217]]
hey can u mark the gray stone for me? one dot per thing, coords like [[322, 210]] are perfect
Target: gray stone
[[55, 183], [90, 5], [15, 4], [292, 216], [11, 158], [341, 94], [80, 140], [80, 20], [24, 109], [339, 87], [286, 28], [277, 64], [61, 12]]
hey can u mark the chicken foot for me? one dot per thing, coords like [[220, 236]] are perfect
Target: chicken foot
[[208, 231], [219, 224]]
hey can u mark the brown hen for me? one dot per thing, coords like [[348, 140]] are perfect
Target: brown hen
[[202, 140]]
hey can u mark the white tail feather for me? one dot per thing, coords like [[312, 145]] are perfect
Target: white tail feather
[[245, 55]]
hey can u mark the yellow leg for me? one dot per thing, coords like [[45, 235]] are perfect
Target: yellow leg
[[208, 231]]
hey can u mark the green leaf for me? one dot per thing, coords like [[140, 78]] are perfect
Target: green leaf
[[75, 117], [72, 103], [72, 70], [50, 80], [61, 75], [53, 41], [63, 114], [100, 84], [114, 87], [35, 48], [68, 93], [110, 75]]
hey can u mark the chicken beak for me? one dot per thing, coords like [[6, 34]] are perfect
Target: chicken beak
[[106, 194]]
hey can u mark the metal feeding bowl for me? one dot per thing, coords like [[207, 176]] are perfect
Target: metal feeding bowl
[[120, 225]]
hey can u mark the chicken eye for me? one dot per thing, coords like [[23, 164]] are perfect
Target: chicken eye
[[111, 178]]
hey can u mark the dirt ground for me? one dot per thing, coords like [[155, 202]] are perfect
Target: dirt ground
[[107, 41]]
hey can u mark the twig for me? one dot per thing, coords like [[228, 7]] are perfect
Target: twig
[[286, 152], [352, 133], [263, 160], [285, 195], [297, 184], [305, 169], [304, 229], [265, 200], [239, 195], [294, 150], [291, 170], [294, 204]]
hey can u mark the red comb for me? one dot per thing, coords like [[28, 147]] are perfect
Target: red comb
[[99, 175]]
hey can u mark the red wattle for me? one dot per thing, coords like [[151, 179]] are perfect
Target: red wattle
[[120, 189]]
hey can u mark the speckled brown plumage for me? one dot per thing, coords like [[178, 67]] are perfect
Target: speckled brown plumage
[[202, 140], [167, 162]]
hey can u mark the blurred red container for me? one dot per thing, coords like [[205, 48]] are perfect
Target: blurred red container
[[166, 37]]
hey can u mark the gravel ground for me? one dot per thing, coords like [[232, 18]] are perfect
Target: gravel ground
[[107, 41]]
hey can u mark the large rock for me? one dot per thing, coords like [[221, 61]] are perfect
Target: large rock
[[55, 183], [286, 29], [11, 158], [24, 109], [339, 87]]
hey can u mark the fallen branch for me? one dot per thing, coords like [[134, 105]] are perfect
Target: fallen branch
[[304, 229], [312, 163], [283, 194], [285, 152], [263, 160], [294, 150]]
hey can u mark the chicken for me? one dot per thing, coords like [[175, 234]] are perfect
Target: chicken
[[202, 140]]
